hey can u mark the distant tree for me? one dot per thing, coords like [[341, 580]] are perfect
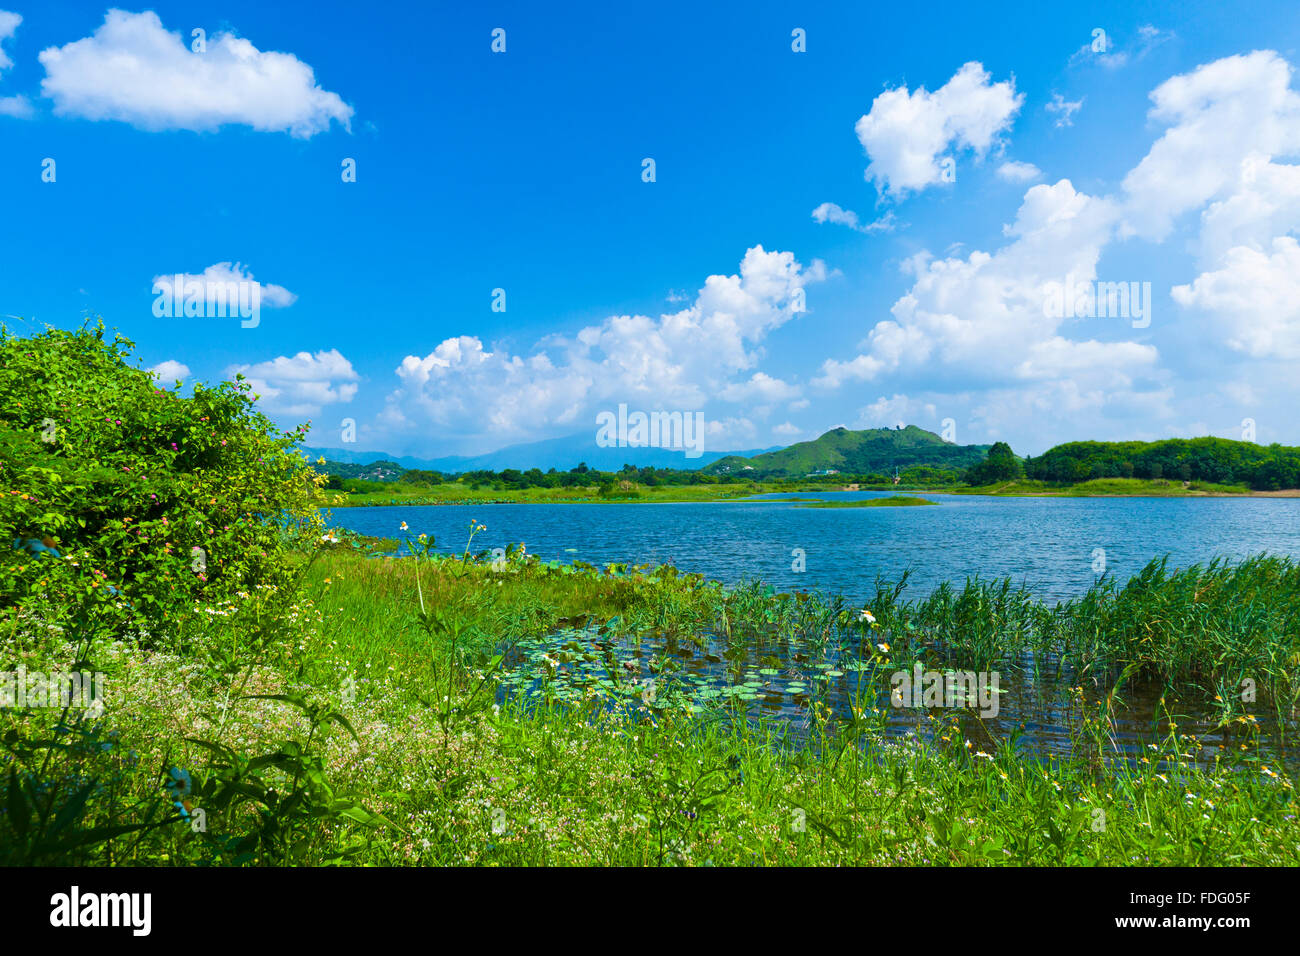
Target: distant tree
[[1001, 464]]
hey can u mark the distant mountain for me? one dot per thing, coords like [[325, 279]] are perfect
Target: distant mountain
[[875, 450], [560, 453]]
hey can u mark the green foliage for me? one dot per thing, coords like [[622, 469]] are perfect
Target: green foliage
[[1218, 461], [1000, 465], [895, 501], [152, 500], [133, 519]]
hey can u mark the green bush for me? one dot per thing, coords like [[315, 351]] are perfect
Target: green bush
[[132, 499]]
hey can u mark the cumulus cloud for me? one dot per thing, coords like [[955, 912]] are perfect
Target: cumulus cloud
[[727, 433], [8, 26], [907, 135], [17, 106], [1264, 204], [134, 70], [1228, 122], [302, 385], [1220, 117], [985, 313], [978, 325], [224, 273], [888, 412], [170, 370], [830, 212], [1254, 299], [786, 430], [1018, 172], [760, 389], [678, 361]]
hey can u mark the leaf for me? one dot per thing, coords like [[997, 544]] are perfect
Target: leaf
[[71, 810], [17, 805]]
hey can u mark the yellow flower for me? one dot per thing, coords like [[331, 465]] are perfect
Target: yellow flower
[[403, 525]]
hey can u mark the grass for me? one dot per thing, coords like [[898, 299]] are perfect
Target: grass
[[455, 493], [419, 766], [896, 501], [451, 493], [1108, 487]]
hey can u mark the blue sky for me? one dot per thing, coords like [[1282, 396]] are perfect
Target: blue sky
[[984, 155]]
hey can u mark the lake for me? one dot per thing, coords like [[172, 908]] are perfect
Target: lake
[[1050, 545]]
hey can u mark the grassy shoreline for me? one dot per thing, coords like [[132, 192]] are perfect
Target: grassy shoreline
[[895, 501], [1101, 488], [438, 771]]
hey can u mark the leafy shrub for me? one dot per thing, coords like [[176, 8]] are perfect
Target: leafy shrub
[[149, 500]]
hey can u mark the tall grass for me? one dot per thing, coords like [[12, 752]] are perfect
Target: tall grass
[[376, 709]]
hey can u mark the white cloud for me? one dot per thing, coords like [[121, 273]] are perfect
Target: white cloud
[[1220, 116], [302, 385], [1254, 300], [8, 27], [888, 412], [978, 325], [170, 370], [17, 106], [1063, 109], [730, 433], [761, 388], [1264, 205], [1108, 56], [132, 69], [223, 273], [985, 314], [786, 430], [906, 135], [830, 212], [678, 361], [1014, 171], [1227, 123]]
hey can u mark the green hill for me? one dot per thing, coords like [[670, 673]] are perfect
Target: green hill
[[873, 451], [1216, 460]]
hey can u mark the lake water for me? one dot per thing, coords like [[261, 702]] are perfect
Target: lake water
[[1048, 544]]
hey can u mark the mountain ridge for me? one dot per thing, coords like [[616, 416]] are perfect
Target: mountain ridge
[[561, 453]]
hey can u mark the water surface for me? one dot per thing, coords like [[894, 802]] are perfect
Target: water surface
[[1050, 545]]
